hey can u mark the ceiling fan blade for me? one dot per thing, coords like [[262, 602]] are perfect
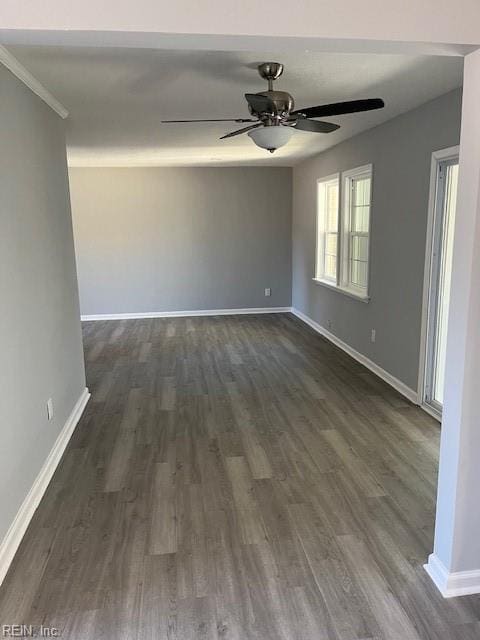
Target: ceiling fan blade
[[317, 126], [239, 131], [259, 103], [210, 120], [340, 108]]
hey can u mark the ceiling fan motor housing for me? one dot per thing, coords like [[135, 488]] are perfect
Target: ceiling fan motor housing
[[282, 101]]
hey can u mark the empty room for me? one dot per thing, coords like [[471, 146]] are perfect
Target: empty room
[[239, 267]]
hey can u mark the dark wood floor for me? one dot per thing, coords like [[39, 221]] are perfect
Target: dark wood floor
[[236, 477]]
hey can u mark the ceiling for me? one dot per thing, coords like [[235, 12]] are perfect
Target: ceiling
[[117, 98]]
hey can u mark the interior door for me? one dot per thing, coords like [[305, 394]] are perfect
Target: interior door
[[440, 276]]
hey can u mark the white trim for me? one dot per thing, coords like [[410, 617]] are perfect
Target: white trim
[[430, 410], [330, 178], [9, 61], [358, 171], [450, 585], [437, 157], [336, 287], [398, 385], [186, 314], [15, 533]]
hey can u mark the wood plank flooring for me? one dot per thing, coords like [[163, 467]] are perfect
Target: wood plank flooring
[[236, 478]]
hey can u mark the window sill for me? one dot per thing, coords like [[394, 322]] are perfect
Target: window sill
[[346, 292]]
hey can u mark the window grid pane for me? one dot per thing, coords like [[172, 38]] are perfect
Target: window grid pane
[[331, 255], [358, 273], [331, 206], [360, 215], [361, 188], [331, 267]]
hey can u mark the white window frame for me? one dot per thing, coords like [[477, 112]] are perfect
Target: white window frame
[[348, 177], [342, 283], [320, 234]]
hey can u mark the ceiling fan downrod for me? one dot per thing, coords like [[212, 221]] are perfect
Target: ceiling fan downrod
[[270, 71]]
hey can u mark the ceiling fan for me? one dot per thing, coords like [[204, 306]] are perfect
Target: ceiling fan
[[275, 117]]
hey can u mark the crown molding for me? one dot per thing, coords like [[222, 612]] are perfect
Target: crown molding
[[18, 70]]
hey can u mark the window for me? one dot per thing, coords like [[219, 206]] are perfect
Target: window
[[327, 229], [343, 234], [357, 186]]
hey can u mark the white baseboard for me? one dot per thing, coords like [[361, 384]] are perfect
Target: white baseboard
[[185, 314], [15, 533], [450, 585], [401, 387], [431, 411]]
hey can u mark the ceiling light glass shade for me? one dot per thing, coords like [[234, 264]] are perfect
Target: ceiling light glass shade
[[271, 138]]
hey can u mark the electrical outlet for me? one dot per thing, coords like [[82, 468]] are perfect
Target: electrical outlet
[[373, 335], [49, 408], [268, 292]]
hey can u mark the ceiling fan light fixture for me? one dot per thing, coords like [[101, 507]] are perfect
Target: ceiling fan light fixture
[[271, 138]]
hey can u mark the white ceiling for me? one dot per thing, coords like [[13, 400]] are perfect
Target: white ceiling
[[117, 98]]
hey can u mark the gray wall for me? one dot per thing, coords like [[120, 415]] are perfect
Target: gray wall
[[155, 239], [400, 151], [40, 334]]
